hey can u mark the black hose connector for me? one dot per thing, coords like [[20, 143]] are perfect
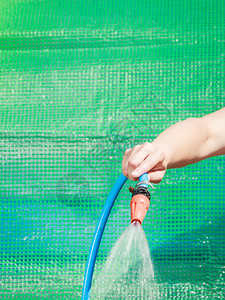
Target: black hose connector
[[142, 190]]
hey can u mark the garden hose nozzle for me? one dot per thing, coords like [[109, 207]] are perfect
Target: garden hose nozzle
[[139, 203]]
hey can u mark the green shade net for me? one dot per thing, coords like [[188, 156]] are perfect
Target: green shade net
[[80, 82]]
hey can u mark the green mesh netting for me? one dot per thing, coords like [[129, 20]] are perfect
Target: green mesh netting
[[81, 81]]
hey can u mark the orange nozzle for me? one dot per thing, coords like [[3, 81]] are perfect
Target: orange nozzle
[[139, 205]]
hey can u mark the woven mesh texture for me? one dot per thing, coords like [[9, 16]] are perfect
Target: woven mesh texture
[[80, 82]]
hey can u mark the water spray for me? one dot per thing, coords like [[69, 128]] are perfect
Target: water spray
[[139, 205]]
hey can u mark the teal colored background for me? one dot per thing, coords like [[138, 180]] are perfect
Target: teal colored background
[[80, 82]]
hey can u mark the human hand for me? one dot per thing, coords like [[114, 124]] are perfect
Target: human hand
[[145, 158]]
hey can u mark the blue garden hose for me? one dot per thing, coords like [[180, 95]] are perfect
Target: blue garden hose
[[99, 231]]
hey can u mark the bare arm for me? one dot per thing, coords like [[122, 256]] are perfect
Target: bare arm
[[193, 139], [184, 143]]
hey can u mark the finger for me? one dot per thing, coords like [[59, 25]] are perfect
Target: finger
[[139, 156], [148, 164], [156, 176], [153, 176], [129, 155]]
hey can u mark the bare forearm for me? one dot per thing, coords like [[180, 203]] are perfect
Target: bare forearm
[[184, 143]]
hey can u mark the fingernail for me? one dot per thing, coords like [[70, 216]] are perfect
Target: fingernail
[[135, 173]]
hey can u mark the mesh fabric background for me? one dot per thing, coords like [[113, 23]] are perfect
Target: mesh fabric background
[[81, 81]]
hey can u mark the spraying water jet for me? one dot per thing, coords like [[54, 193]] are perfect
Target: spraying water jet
[[128, 268]]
